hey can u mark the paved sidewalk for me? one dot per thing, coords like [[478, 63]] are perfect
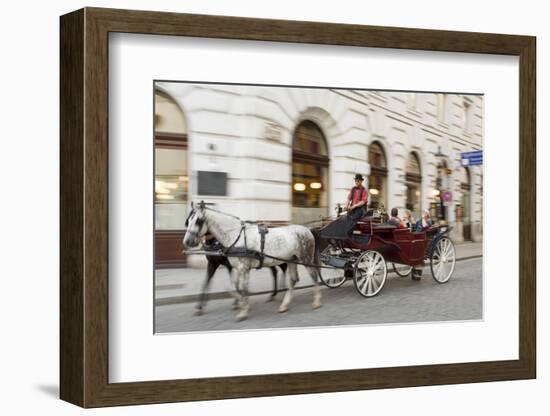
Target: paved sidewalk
[[184, 284]]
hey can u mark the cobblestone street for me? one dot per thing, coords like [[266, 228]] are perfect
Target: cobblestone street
[[401, 301]]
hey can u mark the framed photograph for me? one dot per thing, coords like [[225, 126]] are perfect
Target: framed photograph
[[254, 207]]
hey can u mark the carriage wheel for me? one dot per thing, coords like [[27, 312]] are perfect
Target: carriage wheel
[[370, 273], [442, 261], [404, 272], [332, 277]]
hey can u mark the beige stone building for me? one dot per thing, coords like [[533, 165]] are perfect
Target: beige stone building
[[286, 154]]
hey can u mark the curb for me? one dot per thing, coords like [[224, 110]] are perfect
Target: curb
[[171, 300]]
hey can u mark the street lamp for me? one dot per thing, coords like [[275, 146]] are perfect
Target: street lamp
[[439, 184], [440, 156]]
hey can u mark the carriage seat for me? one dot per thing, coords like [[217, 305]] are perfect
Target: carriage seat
[[367, 217]]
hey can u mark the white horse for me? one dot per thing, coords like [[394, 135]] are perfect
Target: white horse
[[293, 243]]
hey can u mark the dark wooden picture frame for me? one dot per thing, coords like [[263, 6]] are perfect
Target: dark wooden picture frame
[[84, 207]]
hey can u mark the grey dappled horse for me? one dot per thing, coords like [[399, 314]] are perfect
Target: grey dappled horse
[[289, 244]]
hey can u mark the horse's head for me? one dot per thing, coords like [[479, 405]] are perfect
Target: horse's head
[[196, 225]]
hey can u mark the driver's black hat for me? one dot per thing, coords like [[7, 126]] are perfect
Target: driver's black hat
[[359, 177]]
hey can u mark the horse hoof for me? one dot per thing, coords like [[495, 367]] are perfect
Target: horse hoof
[[198, 312], [316, 305], [283, 309], [241, 317], [271, 298]]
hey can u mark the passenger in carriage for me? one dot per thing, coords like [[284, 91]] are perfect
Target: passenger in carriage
[[408, 220], [395, 220], [426, 219], [425, 222]]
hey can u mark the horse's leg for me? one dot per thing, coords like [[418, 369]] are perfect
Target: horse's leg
[[314, 273], [211, 268], [274, 293], [244, 274], [229, 268], [234, 276], [291, 278], [284, 267]]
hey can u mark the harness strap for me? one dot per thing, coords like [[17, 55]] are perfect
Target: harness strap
[[226, 250], [263, 230]]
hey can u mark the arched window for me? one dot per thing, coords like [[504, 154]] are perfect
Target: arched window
[[309, 173], [171, 176], [377, 183], [413, 183], [171, 180]]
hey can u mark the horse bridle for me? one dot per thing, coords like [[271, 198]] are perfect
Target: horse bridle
[[200, 222], [261, 229]]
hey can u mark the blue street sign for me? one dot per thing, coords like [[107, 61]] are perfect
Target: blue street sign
[[471, 158]]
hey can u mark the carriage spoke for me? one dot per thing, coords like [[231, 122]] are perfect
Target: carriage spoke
[[365, 285], [449, 250], [378, 264], [444, 248], [375, 284]]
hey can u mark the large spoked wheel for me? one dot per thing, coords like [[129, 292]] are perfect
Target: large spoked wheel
[[332, 277], [369, 274], [403, 271], [442, 261]]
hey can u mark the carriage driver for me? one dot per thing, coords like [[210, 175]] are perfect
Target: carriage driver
[[356, 203]]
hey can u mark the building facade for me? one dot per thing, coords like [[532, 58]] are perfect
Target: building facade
[[290, 154]]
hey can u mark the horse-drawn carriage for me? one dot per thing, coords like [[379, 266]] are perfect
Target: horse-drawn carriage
[[363, 254]]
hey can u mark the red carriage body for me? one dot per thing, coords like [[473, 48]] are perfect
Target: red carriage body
[[363, 253], [397, 245]]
